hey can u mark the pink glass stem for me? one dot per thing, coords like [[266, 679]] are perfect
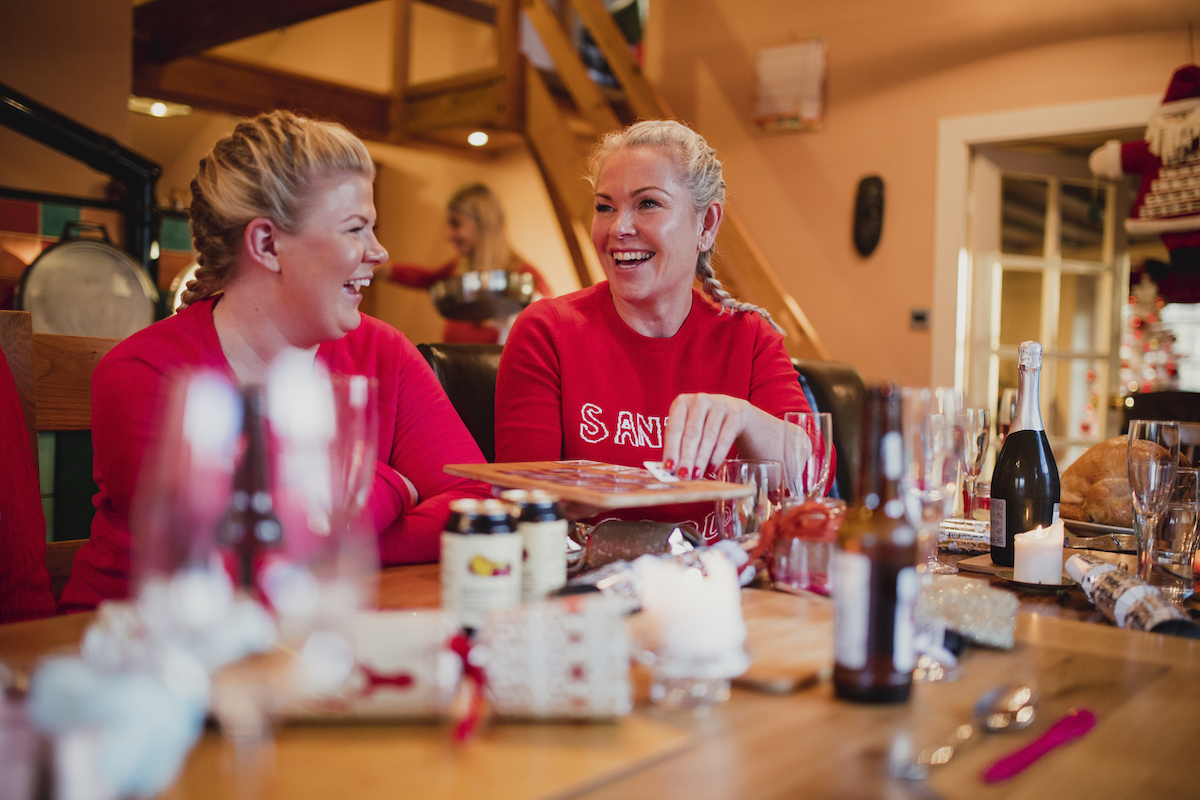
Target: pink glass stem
[[1069, 728]]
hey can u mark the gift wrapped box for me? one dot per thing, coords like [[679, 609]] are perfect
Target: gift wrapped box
[[400, 666], [565, 658]]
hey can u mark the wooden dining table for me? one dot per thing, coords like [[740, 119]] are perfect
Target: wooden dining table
[[1144, 689]]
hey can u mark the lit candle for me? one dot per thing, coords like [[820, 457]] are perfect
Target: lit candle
[[1039, 555]]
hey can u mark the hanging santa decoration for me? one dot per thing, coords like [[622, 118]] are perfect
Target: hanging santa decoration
[[1168, 160]]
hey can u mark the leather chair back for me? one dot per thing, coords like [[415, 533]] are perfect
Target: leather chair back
[[468, 374], [838, 389]]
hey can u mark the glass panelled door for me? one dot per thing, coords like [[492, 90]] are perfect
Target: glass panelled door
[[1047, 263]]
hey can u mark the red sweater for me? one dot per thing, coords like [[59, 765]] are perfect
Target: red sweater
[[577, 382], [24, 581], [459, 330], [419, 432]]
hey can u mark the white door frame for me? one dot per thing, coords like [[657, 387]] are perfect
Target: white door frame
[[952, 262]]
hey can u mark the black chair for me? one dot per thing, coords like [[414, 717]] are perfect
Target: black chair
[[838, 389], [468, 374]]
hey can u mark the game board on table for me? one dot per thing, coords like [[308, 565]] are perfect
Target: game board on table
[[598, 484]]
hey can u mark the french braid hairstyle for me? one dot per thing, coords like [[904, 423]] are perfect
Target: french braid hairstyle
[[477, 203], [701, 170], [265, 168]]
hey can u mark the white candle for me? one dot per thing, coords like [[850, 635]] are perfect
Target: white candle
[[1039, 555]]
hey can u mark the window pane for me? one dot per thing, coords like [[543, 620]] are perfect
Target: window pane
[[1083, 221], [1076, 398], [1077, 325], [1020, 306], [1023, 218]]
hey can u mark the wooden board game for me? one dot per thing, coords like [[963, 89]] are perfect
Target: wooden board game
[[597, 484]]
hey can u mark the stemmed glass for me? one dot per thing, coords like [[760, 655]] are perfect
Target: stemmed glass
[[976, 427], [1006, 412], [807, 445], [931, 457], [1152, 456], [740, 518]]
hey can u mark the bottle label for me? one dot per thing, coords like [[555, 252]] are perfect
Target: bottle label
[[998, 519], [851, 598], [544, 566], [480, 572], [904, 656], [1054, 519]]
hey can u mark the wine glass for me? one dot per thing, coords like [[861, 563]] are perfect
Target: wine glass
[[807, 447], [1152, 458], [1005, 414], [740, 518], [976, 427], [931, 457]]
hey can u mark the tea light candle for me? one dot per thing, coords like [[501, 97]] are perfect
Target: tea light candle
[[1039, 555]]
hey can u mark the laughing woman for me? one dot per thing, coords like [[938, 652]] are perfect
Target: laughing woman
[[283, 218], [643, 366]]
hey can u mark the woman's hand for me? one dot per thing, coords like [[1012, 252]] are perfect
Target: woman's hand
[[701, 428]]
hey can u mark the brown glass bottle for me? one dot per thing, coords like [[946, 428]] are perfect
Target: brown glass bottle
[[250, 526], [875, 580]]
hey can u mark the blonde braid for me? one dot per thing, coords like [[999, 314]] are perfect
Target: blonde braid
[[702, 174]]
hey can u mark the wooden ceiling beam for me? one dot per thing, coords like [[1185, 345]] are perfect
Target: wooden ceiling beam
[[164, 30], [234, 87]]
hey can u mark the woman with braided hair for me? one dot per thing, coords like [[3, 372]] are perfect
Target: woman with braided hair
[[283, 218], [643, 366]]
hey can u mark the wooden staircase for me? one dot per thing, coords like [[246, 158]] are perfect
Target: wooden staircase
[[558, 115]]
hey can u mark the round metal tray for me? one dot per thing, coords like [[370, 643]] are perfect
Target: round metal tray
[[85, 287], [480, 295]]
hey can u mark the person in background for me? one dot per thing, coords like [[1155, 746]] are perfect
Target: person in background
[[643, 366], [283, 218], [475, 223]]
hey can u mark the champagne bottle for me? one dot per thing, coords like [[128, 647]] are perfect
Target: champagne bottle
[[875, 582], [1025, 490], [250, 525]]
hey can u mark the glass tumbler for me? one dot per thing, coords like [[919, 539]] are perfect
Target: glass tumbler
[[740, 518]]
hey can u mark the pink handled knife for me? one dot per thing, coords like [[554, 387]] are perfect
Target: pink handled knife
[[1075, 724]]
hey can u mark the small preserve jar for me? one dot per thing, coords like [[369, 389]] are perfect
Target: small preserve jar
[[875, 581], [481, 560], [543, 531]]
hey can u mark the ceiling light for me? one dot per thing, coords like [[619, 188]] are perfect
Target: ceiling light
[[478, 139], [157, 108]]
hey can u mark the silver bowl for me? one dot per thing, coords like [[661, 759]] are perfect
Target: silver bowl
[[485, 294]]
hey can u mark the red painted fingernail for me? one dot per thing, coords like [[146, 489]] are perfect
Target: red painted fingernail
[[683, 473], [695, 473], [668, 465]]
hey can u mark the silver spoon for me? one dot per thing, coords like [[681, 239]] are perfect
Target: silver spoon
[[1008, 707]]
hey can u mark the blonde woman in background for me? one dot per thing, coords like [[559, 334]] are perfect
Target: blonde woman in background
[[475, 225]]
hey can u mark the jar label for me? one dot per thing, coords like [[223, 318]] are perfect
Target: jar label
[[998, 521], [904, 656], [544, 566], [851, 608], [480, 572]]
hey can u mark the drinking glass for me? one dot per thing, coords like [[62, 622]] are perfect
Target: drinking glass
[[741, 517], [976, 427], [1152, 457], [807, 450], [931, 458], [1177, 539], [1005, 413]]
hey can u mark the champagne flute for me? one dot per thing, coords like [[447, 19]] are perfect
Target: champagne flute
[[1004, 415], [976, 426], [931, 456], [807, 446], [1152, 458]]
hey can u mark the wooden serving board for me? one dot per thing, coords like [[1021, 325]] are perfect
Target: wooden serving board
[[789, 639], [597, 484]]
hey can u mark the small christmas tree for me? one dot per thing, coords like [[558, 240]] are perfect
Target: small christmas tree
[[1149, 362]]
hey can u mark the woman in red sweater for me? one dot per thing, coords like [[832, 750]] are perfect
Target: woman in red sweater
[[283, 218], [643, 366], [475, 224]]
